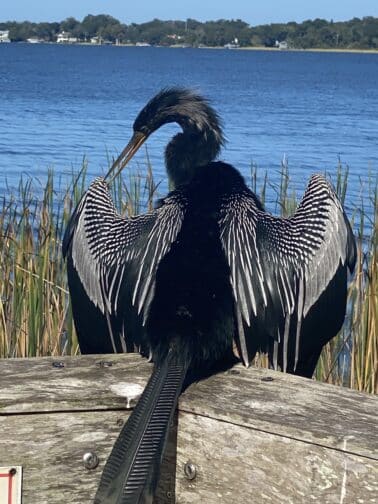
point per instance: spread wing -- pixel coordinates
(111, 265)
(289, 276)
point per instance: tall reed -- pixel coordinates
(35, 315)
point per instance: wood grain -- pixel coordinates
(253, 435)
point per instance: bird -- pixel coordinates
(205, 279)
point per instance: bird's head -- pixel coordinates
(198, 144)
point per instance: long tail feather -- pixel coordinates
(131, 473)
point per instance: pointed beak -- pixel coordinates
(137, 140)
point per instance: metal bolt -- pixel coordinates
(190, 471)
(12, 471)
(58, 364)
(90, 460)
(234, 372)
(104, 364)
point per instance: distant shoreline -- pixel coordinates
(275, 49)
(351, 36)
(246, 48)
(312, 49)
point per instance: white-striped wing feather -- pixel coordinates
(280, 267)
(108, 250)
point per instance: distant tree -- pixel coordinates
(47, 31)
(69, 24)
(355, 33)
(95, 25)
(21, 31)
(132, 33)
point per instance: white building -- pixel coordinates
(65, 38)
(282, 45)
(233, 45)
(62, 38)
(4, 36)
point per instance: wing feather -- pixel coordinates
(281, 268)
(111, 257)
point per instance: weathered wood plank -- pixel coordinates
(289, 406)
(254, 435)
(239, 465)
(285, 405)
(234, 464)
(82, 383)
(50, 447)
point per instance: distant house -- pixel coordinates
(65, 38)
(100, 41)
(174, 36)
(4, 36)
(232, 45)
(62, 38)
(281, 45)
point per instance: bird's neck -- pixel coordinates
(186, 153)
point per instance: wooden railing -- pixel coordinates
(243, 436)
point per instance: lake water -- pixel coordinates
(60, 103)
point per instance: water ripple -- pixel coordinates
(59, 104)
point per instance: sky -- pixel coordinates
(253, 12)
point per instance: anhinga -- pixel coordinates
(205, 276)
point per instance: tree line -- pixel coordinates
(318, 33)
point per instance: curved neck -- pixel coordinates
(187, 152)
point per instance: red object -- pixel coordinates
(8, 475)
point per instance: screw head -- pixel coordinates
(58, 364)
(90, 460)
(190, 471)
(234, 372)
(104, 364)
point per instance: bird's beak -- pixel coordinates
(137, 140)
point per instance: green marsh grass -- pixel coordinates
(35, 315)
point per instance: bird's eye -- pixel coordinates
(144, 130)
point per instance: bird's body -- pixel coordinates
(197, 321)
(205, 276)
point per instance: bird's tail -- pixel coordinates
(131, 472)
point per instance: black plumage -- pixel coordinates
(205, 276)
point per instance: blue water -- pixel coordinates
(61, 103)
